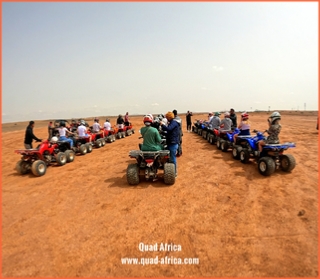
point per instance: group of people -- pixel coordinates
(230, 122)
(170, 124)
(81, 129)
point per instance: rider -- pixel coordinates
(62, 133)
(82, 130)
(215, 122)
(96, 128)
(273, 131)
(151, 136)
(226, 123)
(244, 127)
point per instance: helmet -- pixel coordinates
(226, 114)
(54, 139)
(244, 115)
(96, 119)
(217, 113)
(147, 119)
(150, 115)
(62, 123)
(160, 116)
(107, 120)
(275, 116)
(82, 122)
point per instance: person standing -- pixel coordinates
(188, 118)
(29, 136)
(233, 117)
(126, 119)
(50, 130)
(173, 137)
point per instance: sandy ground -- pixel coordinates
(81, 219)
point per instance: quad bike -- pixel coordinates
(128, 130)
(37, 160)
(109, 135)
(271, 156)
(150, 162)
(82, 145)
(97, 139)
(225, 139)
(213, 135)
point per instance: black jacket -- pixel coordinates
(30, 136)
(233, 117)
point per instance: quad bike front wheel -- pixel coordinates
(169, 173)
(23, 167)
(224, 146)
(236, 152)
(266, 166)
(287, 162)
(39, 168)
(70, 156)
(133, 174)
(61, 158)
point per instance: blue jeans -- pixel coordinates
(67, 139)
(173, 147)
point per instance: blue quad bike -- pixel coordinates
(271, 157)
(225, 139)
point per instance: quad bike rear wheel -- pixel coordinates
(39, 168)
(98, 143)
(61, 158)
(103, 142)
(219, 143)
(169, 174)
(244, 156)
(23, 167)
(83, 149)
(287, 162)
(266, 166)
(119, 135)
(89, 147)
(133, 174)
(70, 156)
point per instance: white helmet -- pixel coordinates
(54, 139)
(82, 122)
(226, 114)
(275, 116)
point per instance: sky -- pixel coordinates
(83, 59)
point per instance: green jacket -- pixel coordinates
(151, 139)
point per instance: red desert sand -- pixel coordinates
(83, 219)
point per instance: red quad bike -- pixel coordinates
(150, 162)
(82, 145)
(37, 160)
(129, 130)
(110, 136)
(121, 131)
(97, 139)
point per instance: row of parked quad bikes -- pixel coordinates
(55, 152)
(245, 148)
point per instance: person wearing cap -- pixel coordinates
(179, 120)
(29, 136)
(226, 123)
(173, 137)
(215, 121)
(233, 118)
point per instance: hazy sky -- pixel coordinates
(64, 60)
